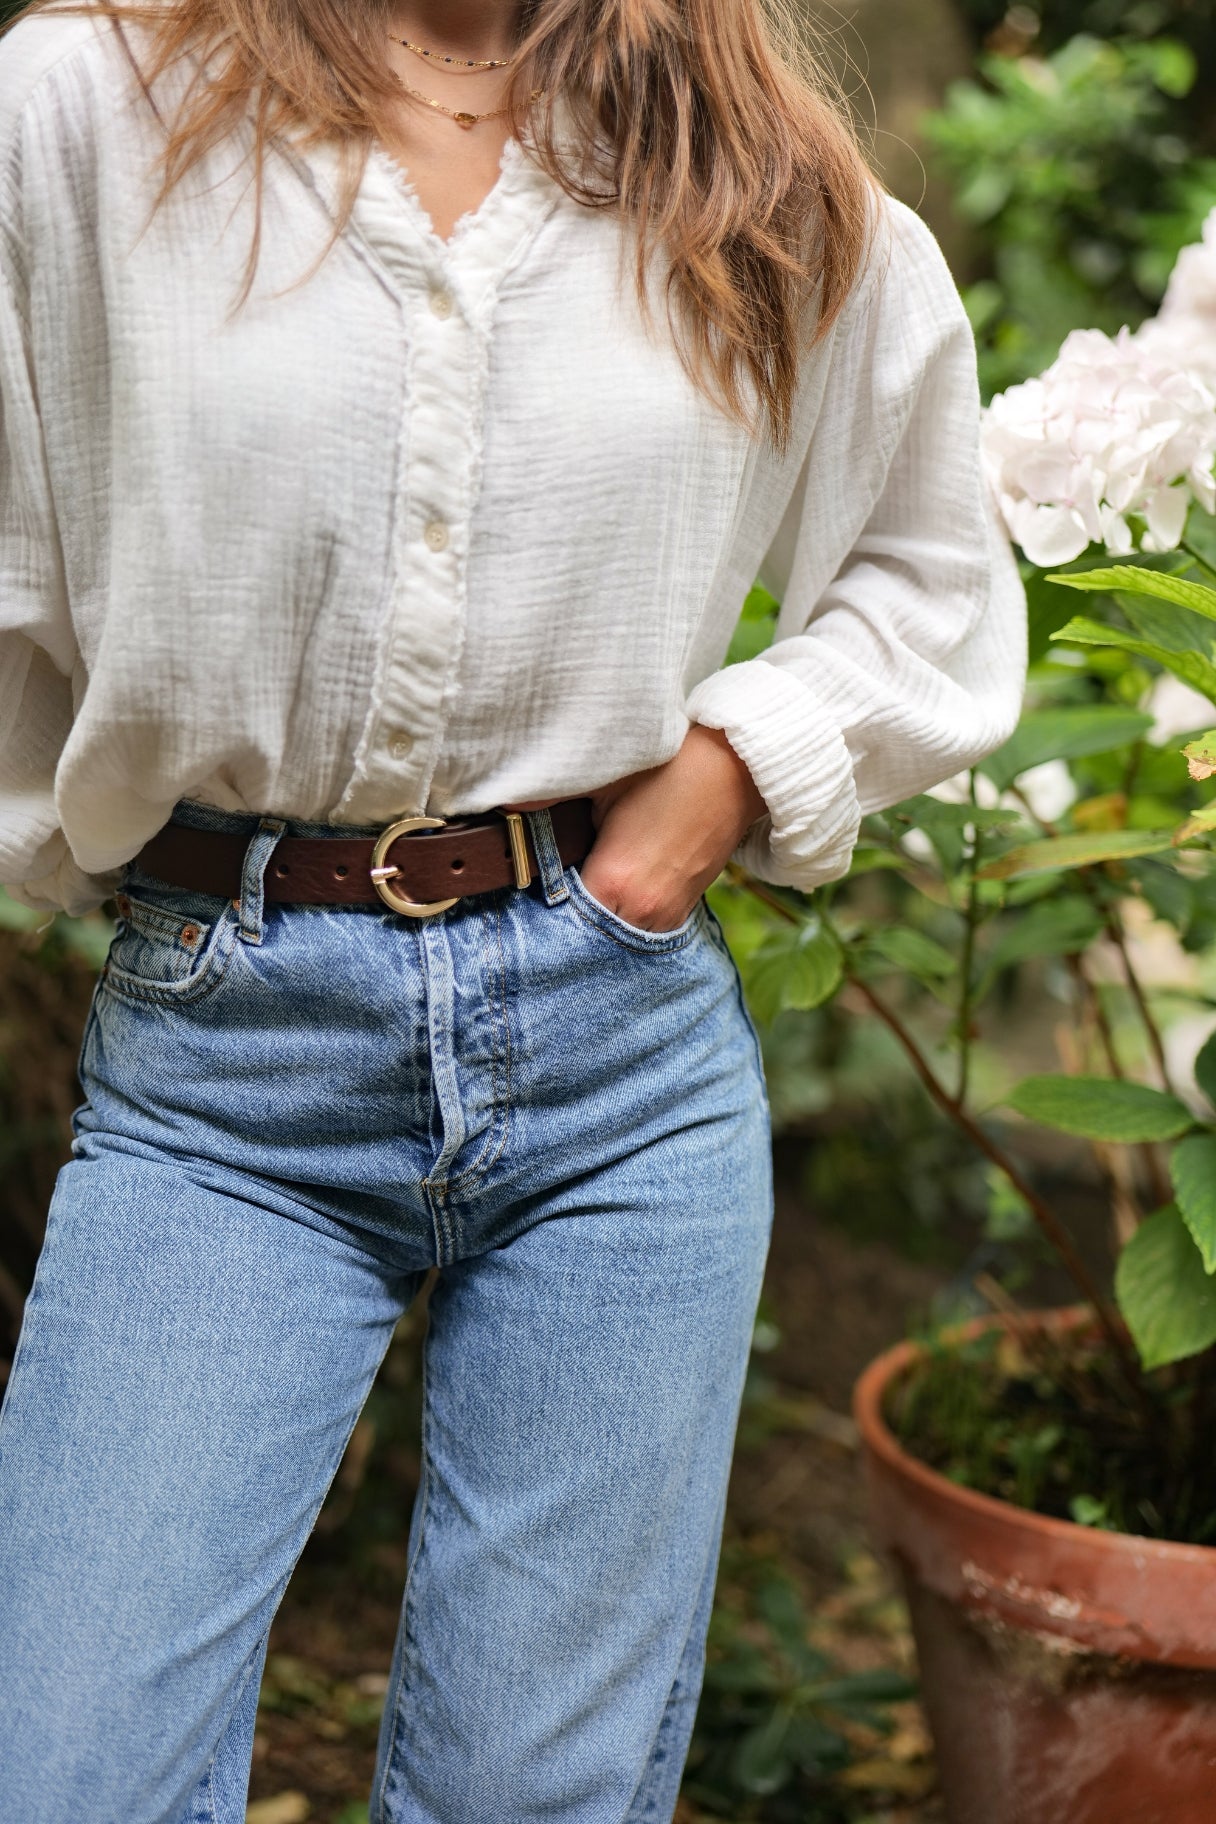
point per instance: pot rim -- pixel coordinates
(879, 1439)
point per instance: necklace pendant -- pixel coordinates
(465, 120)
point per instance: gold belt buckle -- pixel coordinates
(384, 873)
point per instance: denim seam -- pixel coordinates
(717, 938)
(250, 1662)
(424, 1497)
(155, 922)
(655, 1758)
(501, 1087)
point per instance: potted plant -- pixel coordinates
(1047, 1482)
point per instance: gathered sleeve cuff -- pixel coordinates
(900, 650)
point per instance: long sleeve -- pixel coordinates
(37, 648)
(899, 654)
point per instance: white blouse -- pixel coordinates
(434, 527)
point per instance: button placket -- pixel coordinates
(428, 617)
(447, 296)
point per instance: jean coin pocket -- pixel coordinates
(165, 954)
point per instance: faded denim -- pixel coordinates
(291, 1115)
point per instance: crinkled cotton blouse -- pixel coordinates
(437, 527)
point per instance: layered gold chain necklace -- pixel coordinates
(455, 66)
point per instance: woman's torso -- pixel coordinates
(442, 526)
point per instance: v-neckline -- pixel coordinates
(389, 221)
(465, 224)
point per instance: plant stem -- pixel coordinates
(1046, 1218)
(1148, 1152)
(971, 913)
(1089, 993)
(1200, 562)
(1114, 930)
(1050, 1225)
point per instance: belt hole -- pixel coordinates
(341, 871)
(281, 868)
(457, 866)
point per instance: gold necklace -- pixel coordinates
(459, 66)
(460, 115)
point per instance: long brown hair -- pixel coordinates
(733, 162)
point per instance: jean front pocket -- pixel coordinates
(164, 952)
(632, 937)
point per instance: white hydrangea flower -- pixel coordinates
(1192, 288)
(1184, 329)
(1114, 427)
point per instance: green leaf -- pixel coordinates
(1063, 734)
(1201, 755)
(799, 967)
(1101, 1108)
(868, 860)
(1087, 1510)
(945, 823)
(1205, 1068)
(1191, 667)
(1080, 851)
(1132, 580)
(1193, 1170)
(14, 917)
(912, 952)
(883, 1685)
(930, 814)
(754, 630)
(746, 1673)
(814, 1746)
(1173, 66)
(1047, 609)
(778, 1604)
(1168, 1300)
(761, 1762)
(1053, 927)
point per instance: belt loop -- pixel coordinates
(257, 855)
(552, 874)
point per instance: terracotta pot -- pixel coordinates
(1069, 1675)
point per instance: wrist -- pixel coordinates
(748, 801)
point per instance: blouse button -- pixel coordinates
(441, 303)
(436, 535)
(399, 744)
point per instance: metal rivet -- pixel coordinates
(190, 935)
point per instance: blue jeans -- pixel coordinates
(291, 1115)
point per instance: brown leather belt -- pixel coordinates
(417, 866)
